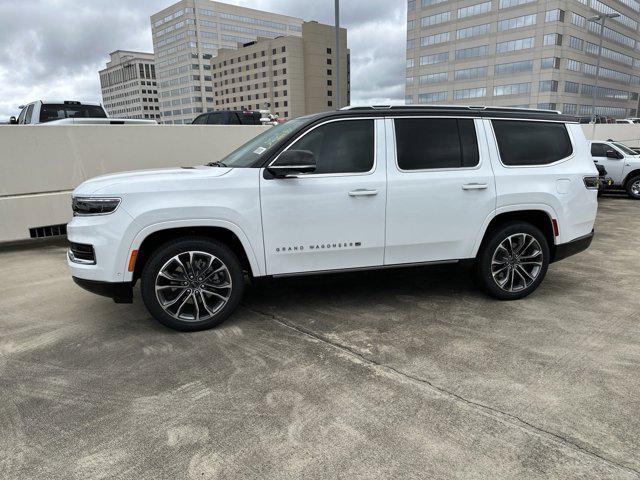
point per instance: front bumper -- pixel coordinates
(120, 292)
(577, 245)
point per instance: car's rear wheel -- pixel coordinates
(633, 187)
(192, 284)
(512, 261)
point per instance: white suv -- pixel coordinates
(510, 190)
(621, 163)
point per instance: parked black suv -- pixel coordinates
(228, 117)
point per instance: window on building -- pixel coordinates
(550, 62)
(575, 42)
(548, 86)
(531, 143)
(430, 143)
(340, 147)
(514, 45)
(514, 67)
(432, 97)
(555, 15)
(573, 65)
(552, 39)
(517, 22)
(512, 89)
(476, 9)
(571, 87)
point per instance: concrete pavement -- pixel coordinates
(391, 374)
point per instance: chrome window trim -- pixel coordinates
(423, 170)
(345, 174)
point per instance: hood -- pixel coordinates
(131, 181)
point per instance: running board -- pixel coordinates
(362, 269)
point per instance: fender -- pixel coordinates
(257, 265)
(511, 208)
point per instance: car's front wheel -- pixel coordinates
(512, 261)
(192, 283)
(633, 187)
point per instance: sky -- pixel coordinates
(53, 49)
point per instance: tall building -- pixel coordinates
(539, 54)
(188, 34)
(293, 76)
(128, 84)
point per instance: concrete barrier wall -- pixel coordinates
(40, 166)
(628, 134)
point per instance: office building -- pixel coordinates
(524, 53)
(292, 76)
(188, 34)
(129, 88)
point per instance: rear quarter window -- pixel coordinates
(523, 143)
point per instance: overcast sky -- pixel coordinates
(54, 48)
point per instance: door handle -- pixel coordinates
(474, 186)
(363, 192)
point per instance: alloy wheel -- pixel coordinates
(635, 188)
(517, 262)
(193, 286)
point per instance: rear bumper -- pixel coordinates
(121, 292)
(578, 245)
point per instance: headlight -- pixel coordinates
(94, 205)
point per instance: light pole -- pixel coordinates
(337, 22)
(601, 18)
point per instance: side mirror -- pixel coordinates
(13, 121)
(292, 163)
(613, 154)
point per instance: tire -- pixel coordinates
(198, 303)
(633, 187)
(526, 264)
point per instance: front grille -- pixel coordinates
(82, 253)
(48, 231)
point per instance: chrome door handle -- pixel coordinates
(474, 186)
(363, 192)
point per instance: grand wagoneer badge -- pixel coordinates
(319, 246)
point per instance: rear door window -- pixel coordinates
(431, 143)
(524, 143)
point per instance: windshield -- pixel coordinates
(247, 154)
(59, 111)
(625, 149)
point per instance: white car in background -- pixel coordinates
(69, 112)
(621, 163)
(628, 120)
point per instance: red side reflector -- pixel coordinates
(132, 260)
(556, 232)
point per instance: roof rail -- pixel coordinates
(451, 107)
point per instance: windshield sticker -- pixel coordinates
(259, 150)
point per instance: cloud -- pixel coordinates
(54, 48)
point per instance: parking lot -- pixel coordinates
(410, 373)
